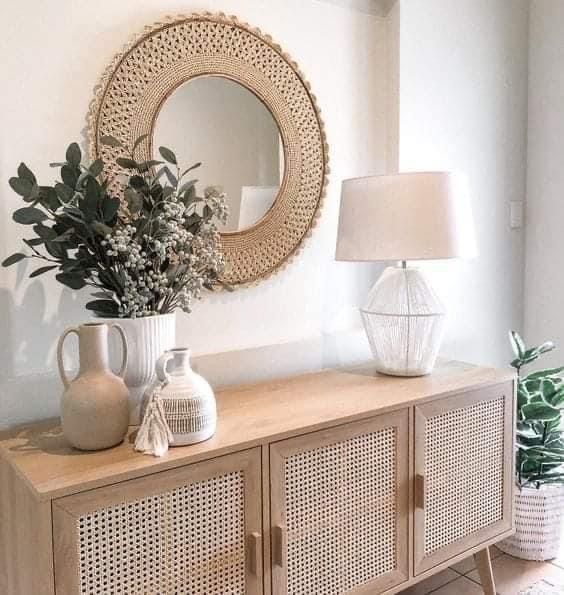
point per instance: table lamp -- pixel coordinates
(404, 217)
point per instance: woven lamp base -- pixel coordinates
(404, 322)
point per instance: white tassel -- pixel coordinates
(154, 435)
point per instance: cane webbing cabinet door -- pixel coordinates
(339, 508)
(463, 473)
(194, 530)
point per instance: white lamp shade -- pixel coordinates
(407, 216)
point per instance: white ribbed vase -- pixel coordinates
(539, 516)
(148, 337)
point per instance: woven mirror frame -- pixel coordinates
(153, 65)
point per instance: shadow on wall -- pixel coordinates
(27, 348)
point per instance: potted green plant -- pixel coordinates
(145, 242)
(539, 497)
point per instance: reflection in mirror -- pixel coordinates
(219, 122)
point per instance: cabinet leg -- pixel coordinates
(484, 566)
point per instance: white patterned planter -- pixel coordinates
(148, 338)
(538, 523)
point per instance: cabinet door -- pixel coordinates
(463, 473)
(193, 530)
(339, 508)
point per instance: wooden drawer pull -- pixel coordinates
(280, 544)
(255, 553)
(420, 491)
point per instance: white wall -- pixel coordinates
(51, 59)
(463, 106)
(544, 279)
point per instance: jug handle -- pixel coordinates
(62, 372)
(160, 366)
(125, 349)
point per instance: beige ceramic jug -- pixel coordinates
(94, 407)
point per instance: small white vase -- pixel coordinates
(539, 516)
(187, 398)
(148, 337)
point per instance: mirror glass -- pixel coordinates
(219, 122)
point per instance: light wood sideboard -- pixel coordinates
(342, 481)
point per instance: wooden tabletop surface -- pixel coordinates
(248, 415)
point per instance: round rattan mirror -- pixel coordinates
(163, 65)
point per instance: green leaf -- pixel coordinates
(72, 280)
(44, 232)
(26, 174)
(170, 176)
(196, 165)
(126, 163)
(540, 412)
(34, 242)
(42, 270)
(69, 176)
(146, 165)
(104, 307)
(73, 155)
(168, 155)
(111, 141)
(539, 374)
(101, 229)
(96, 168)
(139, 141)
(13, 259)
(21, 186)
(546, 347)
(517, 344)
(133, 199)
(29, 216)
(110, 207)
(49, 198)
(547, 388)
(187, 186)
(64, 192)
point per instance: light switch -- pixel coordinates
(516, 215)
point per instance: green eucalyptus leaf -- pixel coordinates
(55, 249)
(49, 198)
(187, 186)
(146, 165)
(21, 186)
(13, 259)
(42, 270)
(111, 141)
(168, 155)
(69, 175)
(101, 229)
(73, 155)
(34, 242)
(64, 192)
(133, 199)
(71, 280)
(96, 168)
(126, 163)
(196, 165)
(110, 207)
(26, 174)
(28, 216)
(104, 307)
(44, 232)
(139, 140)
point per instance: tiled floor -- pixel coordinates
(511, 575)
